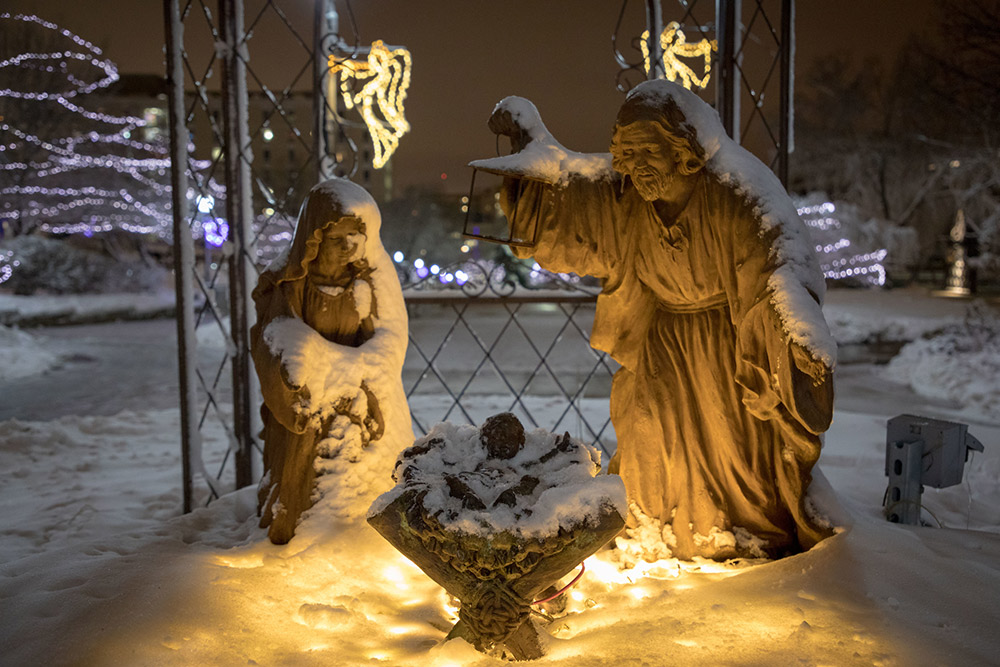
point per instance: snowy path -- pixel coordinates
(132, 365)
(104, 369)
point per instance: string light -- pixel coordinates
(674, 45)
(216, 232)
(55, 197)
(866, 267)
(385, 77)
(7, 265)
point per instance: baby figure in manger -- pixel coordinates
(328, 347)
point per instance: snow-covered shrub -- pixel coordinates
(960, 363)
(59, 267)
(854, 248)
(22, 355)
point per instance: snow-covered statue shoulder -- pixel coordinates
(328, 346)
(711, 304)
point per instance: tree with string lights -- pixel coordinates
(69, 166)
(76, 157)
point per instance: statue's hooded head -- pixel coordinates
(687, 127)
(336, 205)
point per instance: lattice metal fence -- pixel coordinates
(530, 355)
(245, 148)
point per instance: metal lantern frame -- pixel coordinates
(510, 240)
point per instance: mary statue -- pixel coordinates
(328, 347)
(710, 303)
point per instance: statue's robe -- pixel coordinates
(290, 445)
(717, 427)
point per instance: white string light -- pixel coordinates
(54, 197)
(867, 267)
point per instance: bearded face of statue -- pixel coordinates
(643, 152)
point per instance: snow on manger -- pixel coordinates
(384, 77)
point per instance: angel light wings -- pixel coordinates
(383, 78)
(675, 46)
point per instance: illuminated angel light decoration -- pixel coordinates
(675, 46)
(384, 77)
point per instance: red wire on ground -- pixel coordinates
(583, 568)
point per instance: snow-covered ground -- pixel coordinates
(99, 568)
(79, 308)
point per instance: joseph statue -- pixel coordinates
(710, 304)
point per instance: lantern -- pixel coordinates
(499, 228)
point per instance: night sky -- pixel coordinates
(468, 54)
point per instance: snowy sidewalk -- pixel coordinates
(56, 310)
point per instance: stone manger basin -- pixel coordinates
(496, 516)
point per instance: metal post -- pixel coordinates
(903, 466)
(239, 210)
(184, 262)
(325, 28)
(785, 128)
(654, 24)
(727, 13)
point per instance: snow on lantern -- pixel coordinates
(495, 516)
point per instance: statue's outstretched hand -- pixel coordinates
(515, 121)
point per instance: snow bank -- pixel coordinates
(63, 266)
(871, 316)
(22, 355)
(45, 309)
(960, 363)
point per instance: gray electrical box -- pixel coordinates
(922, 451)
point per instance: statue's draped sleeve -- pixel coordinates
(580, 226)
(280, 397)
(572, 224)
(760, 273)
